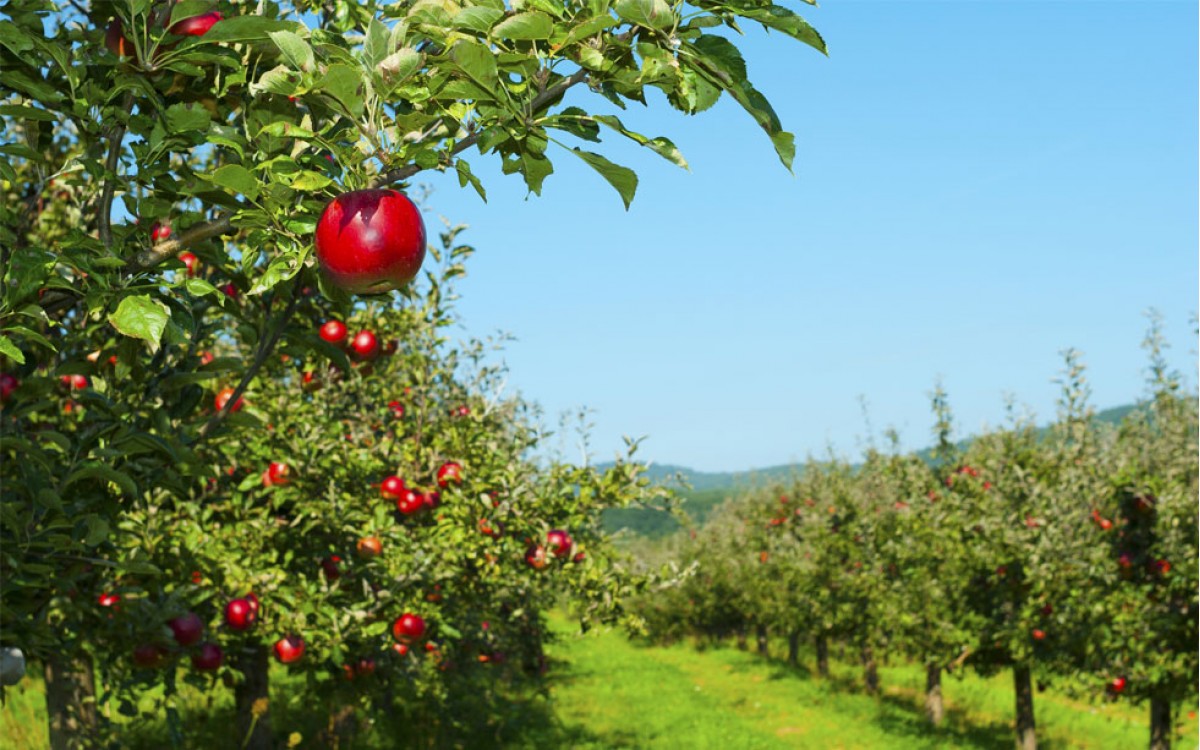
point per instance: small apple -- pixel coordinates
(392, 487)
(1117, 685)
(432, 500)
(1125, 560)
(366, 667)
(239, 615)
(109, 600)
(1039, 635)
(494, 529)
(278, 472)
(535, 557)
(329, 566)
(8, 384)
(408, 627)
(558, 542)
(187, 629)
(370, 241)
(579, 557)
(75, 382)
(206, 358)
(196, 25)
(230, 290)
(364, 346)
(191, 261)
(160, 231)
(1162, 567)
(149, 656)
(289, 649)
(449, 473)
(223, 397)
(397, 409)
(252, 600)
(400, 648)
(1047, 610)
(209, 657)
(114, 39)
(334, 332)
(409, 502)
(370, 546)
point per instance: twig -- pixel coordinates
(111, 164)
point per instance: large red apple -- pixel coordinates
(370, 241)
(196, 25)
(289, 649)
(187, 629)
(240, 615)
(408, 627)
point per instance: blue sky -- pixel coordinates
(978, 186)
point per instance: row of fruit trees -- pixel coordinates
(1067, 555)
(235, 424)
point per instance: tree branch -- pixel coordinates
(266, 345)
(111, 164)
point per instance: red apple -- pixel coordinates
(364, 346)
(75, 382)
(449, 473)
(115, 40)
(370, 241)
(579, 557)
(334, 331)
(408, 627)
(400, 648)
(366, 667)
(187, 629)
(1117, 685)
(252, 600)
(289, 649)
(494, 529)
(392, 487)
(196, 25)
(432, 499)
(149, 656)
(559, 542)
(329, 566)
(191, 261)
(397, 409)
(223, 398)
(8, 384)
(109, 600)
(230, 290)
(205, 358)
(535, 557)
(160, 231)
(209, 657)
(1039, 635)
(278, 472)
(409, 502)
(239, 615)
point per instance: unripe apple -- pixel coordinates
(408, 627)
(187, 629)
(449, 473)
(239, 615)
(289, 649)
(223, 397)
(334, 331)
(370, 241)
(209, 658)
(364, 346)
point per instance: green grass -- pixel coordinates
(608, 692)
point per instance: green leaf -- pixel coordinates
(141, 317)
(784, 20)
(199, 287)
(653, 14)
(590, 27)
(623, 179)
(660, 145)
(248, 28)
(97, 531)
(478, 62)
(310, 181)
(186, 119)
(398, 66)
(343, 83)
(294, 49)
(188, 9)
(375, 45)
(236, 179)
(27, 113)
(465, 176)
(477, 18)
(785, 147)
(279, 80)
(97, 470)
(10, 350)
(529, 25)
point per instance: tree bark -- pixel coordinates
(870, 670)
(935, 709)
(741, 637)
(822, 655)
(1026, 727)
(252, 700)
(793, 656)
(763, 647)
(70, 701)
(1160, 723)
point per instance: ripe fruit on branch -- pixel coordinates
(75, 382)
(252, 600)
(409, 502)
(149, 656)
(115, 40)
(223, 398)
(8, 384)
(278, 472)
(370, 546)
(334, 331)
(289, 649)
(558, 542)
(187, 629)
(494, 529)
(408, 627)
(209, 657)
(392, 487)
(449, 473)
(329, 566)
(1039, 635)
(196, 25)
(240, 615)
(535, 557)
(370, 241)
(397, 409)
(400, 648)
(1117, 685)
(160, 231)
(365, 346)
(109, 600)
(190, 260)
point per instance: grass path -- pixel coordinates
(610, 693)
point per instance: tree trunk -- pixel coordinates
(1026, 728)
(1160, 723)
(252, 700)
(794, 648)
(870, 670)
(70, 701)
(935, 709)
(741, 637)
(763, 648)
(822, 655)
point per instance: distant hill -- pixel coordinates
(703, 490)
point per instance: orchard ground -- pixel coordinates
(608, 692)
